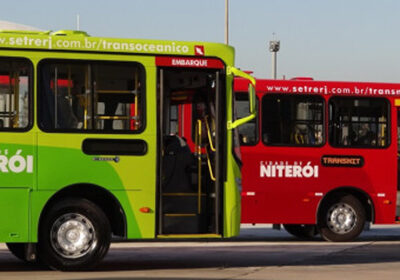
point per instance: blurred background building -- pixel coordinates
(7, 25)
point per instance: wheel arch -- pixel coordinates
(358, 193)
(103, 198)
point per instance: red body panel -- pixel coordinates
(197, 62)
(295, 200)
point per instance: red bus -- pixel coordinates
(320, 157)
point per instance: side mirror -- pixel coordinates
(252, 97)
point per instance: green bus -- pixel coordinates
(89, 152)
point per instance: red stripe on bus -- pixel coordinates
(189, 62)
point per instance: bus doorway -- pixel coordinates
(190, 185)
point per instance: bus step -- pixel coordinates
(183, 223)
(190, 235)
(181, 204)
(180, 215)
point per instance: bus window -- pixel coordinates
(174, 120)
(91, 96)
(14, 94)
(203, 104)
(248, 132)
(358, 122)
(292, 120)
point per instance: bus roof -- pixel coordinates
(72, 40)
(321, 87)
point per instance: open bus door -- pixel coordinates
(190, 180)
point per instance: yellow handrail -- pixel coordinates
(198, 152)
(299, 138)
(136, 122)
(210, 167)
(209, 135)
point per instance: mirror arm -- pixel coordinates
(239, 122)
(252, 84)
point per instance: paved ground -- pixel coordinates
(258, 253)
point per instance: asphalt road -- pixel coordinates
(258, 253)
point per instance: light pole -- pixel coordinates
(227, 22)
(274, 46)
(78, 27)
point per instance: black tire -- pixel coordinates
(18, 250)
(341, 218)
(301, 231)
(74, 234)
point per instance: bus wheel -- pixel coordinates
(341, 219)
(74, 234)
(301, 231)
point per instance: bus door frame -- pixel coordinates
(163, 63)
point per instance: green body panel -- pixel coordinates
(57, 158)
(16, 147)
(14, 214)
(16, 184)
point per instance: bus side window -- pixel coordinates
(15, 93)
(248, 132)
(100, 96)
(292, 120)
(358, 122)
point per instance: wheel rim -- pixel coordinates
(73, 236)
(341, 218)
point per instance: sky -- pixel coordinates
(349, 40)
